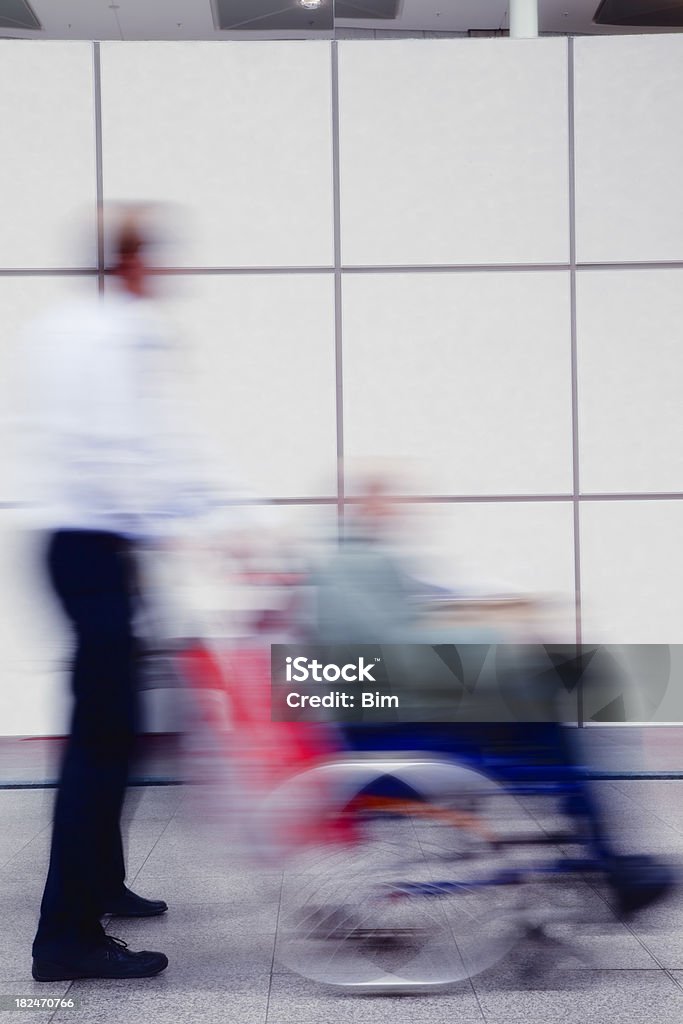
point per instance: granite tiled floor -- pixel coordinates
(221, 930)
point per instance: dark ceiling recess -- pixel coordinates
(275, 15)
(358, 9)
(272, 15)
(646, 13)
(17, 14)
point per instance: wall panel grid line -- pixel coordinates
(396, 268)
(99, 185)
(576, 519)
(338, 350)
(443, 499)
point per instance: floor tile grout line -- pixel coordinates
(644, 944)
(629, 928)
(670, 974)
(476, 996)
(275, 937)
(643, 807)
(54, 1014)
(154, 846)
(39, 833)
(589, 885)
(432, 875)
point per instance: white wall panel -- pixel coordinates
(454, 151)
(629, 148)
(501, 548)
(630, 380)
(47, 167)
(631, 570)
(237, 134)
(261, 350)
(464, 377)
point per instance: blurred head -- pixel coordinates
(376, 508)
(131, 242)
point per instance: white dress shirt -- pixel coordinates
(111, 441)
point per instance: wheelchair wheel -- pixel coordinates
(413, 895)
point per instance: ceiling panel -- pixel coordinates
(72, 19)
(165, 19)
(17, 14)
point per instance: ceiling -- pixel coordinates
(196, 19)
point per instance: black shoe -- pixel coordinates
(638, 881)
(129, 904)
(110, 959)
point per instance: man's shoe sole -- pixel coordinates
(53, 972)
(133, 913)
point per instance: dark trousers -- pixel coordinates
(91, 573)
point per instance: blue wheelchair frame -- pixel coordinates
(527, 759)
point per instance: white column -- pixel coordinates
(523, 19)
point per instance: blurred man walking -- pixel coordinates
(112, 468)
